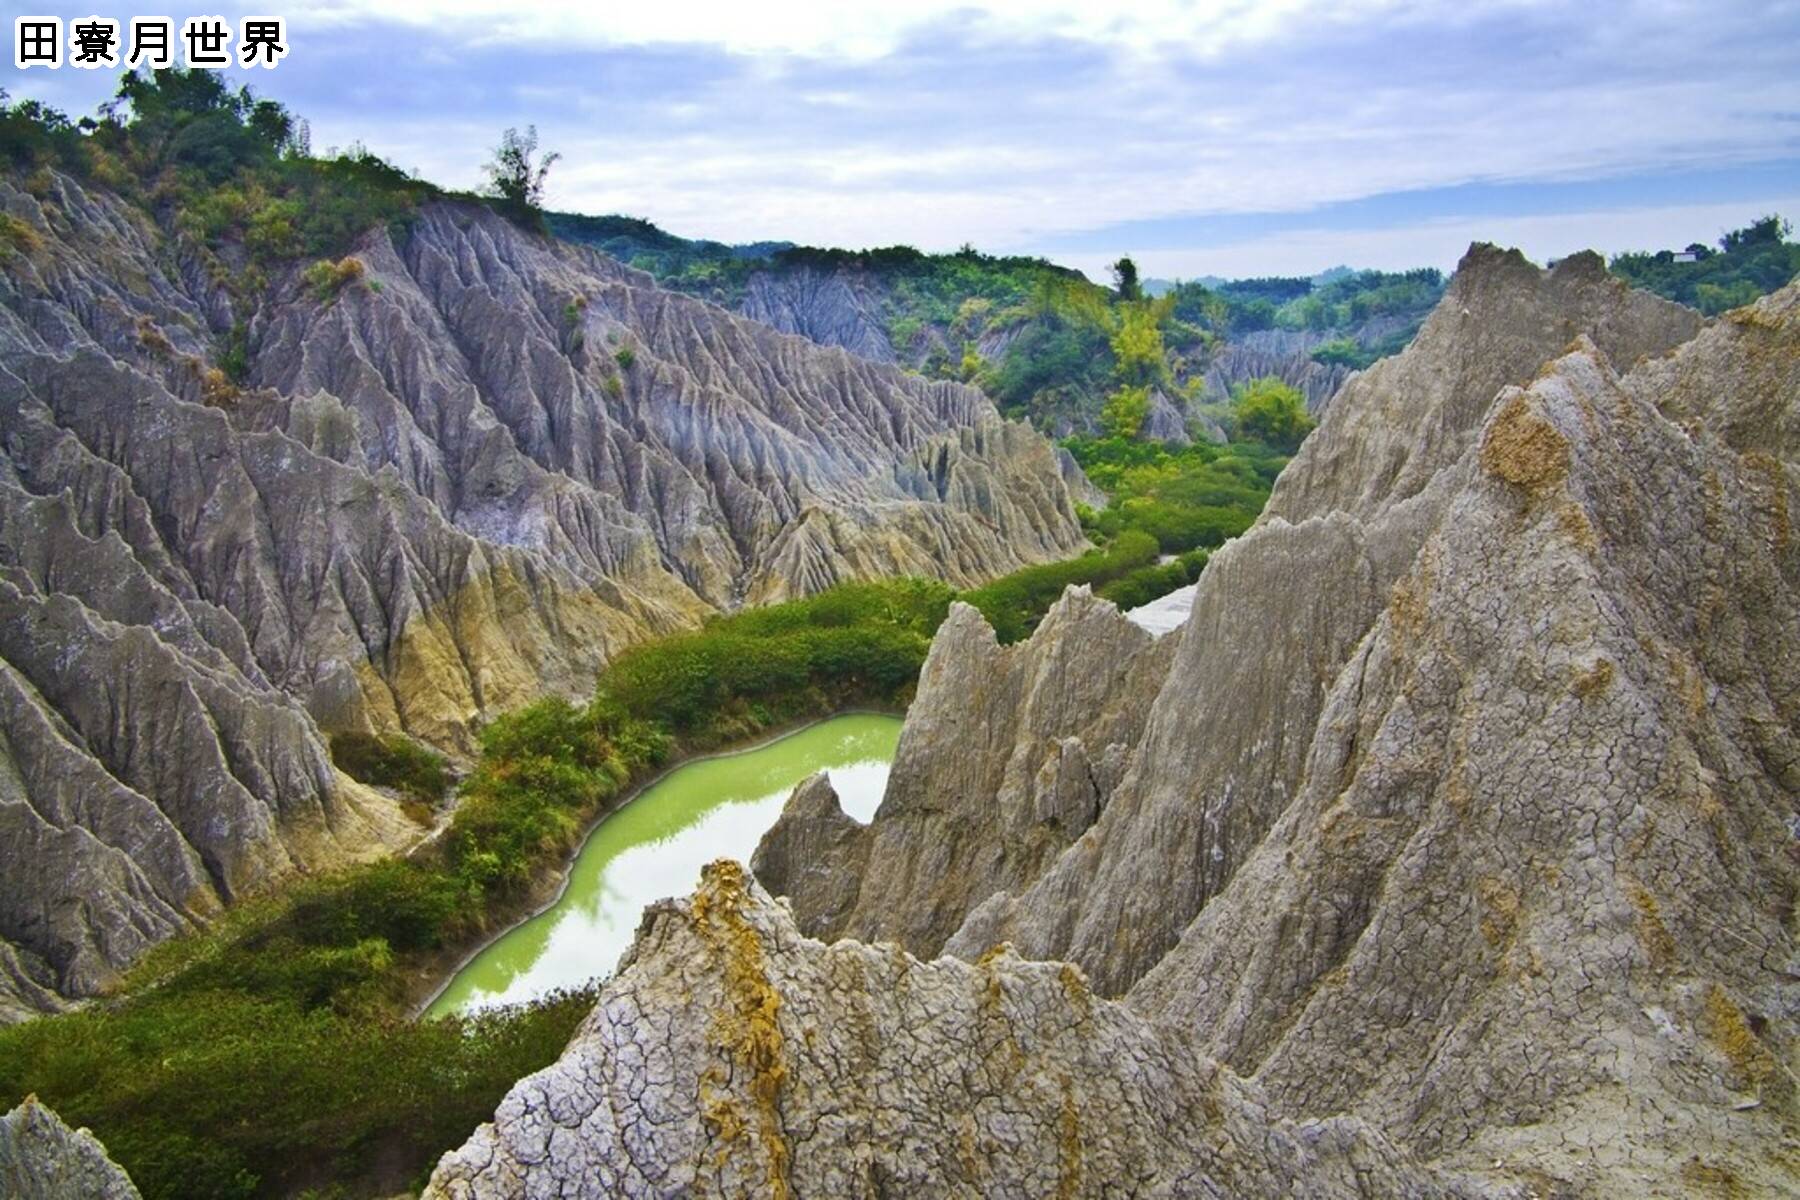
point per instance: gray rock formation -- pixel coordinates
(833, 308)
(467, 477)
(1284, 354)
(1225, 747)
(43, 1159)
(732, 1057)
(1408, 417)
(1527, 902)
(1165, 422)
(1009, 755)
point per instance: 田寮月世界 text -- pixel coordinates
(103, 43)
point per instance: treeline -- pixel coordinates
(1045, 342)
(1337, 300)
(223, 166)
(1748, 263)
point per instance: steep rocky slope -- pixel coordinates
(1534, 897)
(732, 1057)
(1461, 823)
(43, 1159)
(462, 470)
(1224, 746)
(834, 308)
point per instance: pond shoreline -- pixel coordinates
(437, 974)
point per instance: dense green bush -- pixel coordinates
(326, 279)
(1269, 411)
(392, 761)
(249, 1090)
(862, 641)
(1015, 603)
(1187, 498)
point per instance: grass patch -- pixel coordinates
(17, 236)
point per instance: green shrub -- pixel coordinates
(17, 236)
(327, 279)
(1186, 498)
(856, 642)
(1343, 352)
(234, 353)
(392, 761)
(1015, 603)
(625, 357)
(1124, 412)
(1269, 411)
(227, 1092)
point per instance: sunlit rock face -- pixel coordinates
(43, 1159)
(467, 477)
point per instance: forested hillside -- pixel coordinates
(1044, 341)
(1749, 262)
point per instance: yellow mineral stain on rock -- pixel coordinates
(748, 1027)
(1523, 448)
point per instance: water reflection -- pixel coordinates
(655, 846)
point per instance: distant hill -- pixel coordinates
(1038, 337)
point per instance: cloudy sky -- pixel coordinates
(1224, 137)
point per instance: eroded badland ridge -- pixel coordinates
(462, 472)
(1447, 850)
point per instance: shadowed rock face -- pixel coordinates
(833, 308)
(43, 1159)
(471, 477)
(1285, 354)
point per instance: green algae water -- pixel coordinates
(655, 846)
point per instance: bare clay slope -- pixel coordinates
(1535, 897)
(468, 477)
(732, 1057)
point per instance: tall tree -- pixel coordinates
(1125, 279)
(513, 179)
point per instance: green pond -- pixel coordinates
(655, 846)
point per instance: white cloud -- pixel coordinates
(862, 30)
